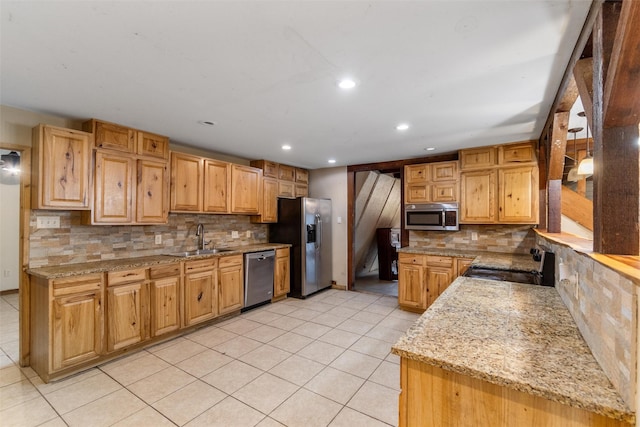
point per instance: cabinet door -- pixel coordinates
(200, 297)
(61, 168)
(302, 176)
(126, 314)
(513, 154)
(230, 288)
(417, 193)
(153, 145)
(461, 265)
(114, 188)
(269, 207)
(281, 275)
(411, 286)
(444, 171)
(286, 189)
(477, 198)
(76, 329)
(444, 192)
(153, 193)
(302, 190)
(286, 173)
(478, 158)
(246, 189)
(438, 279)
(416, 173)
(217, 182)
(518, 195)
(115, 137)
(165, 306)
(186, 183)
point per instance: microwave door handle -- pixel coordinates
(443, 220)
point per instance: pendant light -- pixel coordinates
(586, 165)
(573, 172)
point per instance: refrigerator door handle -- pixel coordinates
(318, 222)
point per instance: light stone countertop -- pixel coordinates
(514, 335)
(70, 270)
(497, 260)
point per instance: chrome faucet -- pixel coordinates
(200, 236)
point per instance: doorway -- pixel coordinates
(377, 224)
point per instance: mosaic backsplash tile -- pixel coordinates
(73, 242)
(491, 238)
(604, 306)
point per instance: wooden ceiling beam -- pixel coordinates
(583, 73)
(621, 90)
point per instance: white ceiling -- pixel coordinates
(461, 73)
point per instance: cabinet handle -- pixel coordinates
(199, 296)
(154, 145)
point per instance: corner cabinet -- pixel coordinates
(499, 185)
(61, 168)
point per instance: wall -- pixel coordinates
(604, 306)
(491, 238)
(331, 183)
(9, 235)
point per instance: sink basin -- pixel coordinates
(200, 252)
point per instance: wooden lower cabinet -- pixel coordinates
(200, 291)
(165, 288)
(432, 396)
(281, 274)
(126, 307)
(67, 323)
(230, 284)
(438, 280)
(422, 279)
(461, 265)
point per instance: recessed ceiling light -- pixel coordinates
(207, 122)
(331, 160)
(430, 149)
(402, 126)
(346, 84)
(286, 147)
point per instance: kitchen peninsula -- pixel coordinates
(492, 353)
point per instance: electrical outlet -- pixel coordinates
(48, 222)
(158, 239)
(234, 235)
(6, 273)
(474, 236)
(248, 234)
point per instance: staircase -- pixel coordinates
(577, 208)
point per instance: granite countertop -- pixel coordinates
(497, 260)
(513, 335)
(69, 270)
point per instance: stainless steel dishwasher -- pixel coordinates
(258, 277)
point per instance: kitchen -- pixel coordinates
(331, 183)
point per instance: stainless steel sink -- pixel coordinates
(197, 252)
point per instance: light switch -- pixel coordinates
(48, 222)
(339, 220)
(158, 239)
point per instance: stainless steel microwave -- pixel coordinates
(431, 216)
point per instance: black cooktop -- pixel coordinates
(527, 277)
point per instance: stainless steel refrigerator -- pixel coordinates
(305, 223)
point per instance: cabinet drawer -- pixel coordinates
(282, 252)
(165, 271)
(228, 261)
(444, 261)
(411, 259)
(202, 264)
(126, 276)
(73, 285)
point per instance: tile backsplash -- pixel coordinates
(491, 238)
(604, 305)
(74, 243)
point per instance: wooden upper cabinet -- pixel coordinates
(302, 176)
(444, 171)
(112, 136)
(217, 183)
(511, 154)
(269, 205)
(286, 173)
(478, 199)
(150, 144)
(246, 189)
(518, 195)
(286, 189)
(152, 199)
(443, 192)
(417, 173)
(477, 158)
(186, 182)
(269, 168)
(61, 168)
(114, 188)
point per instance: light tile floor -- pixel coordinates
(323, 361)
